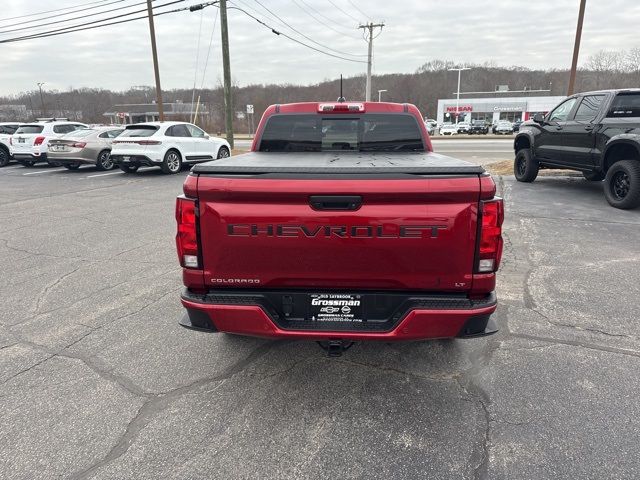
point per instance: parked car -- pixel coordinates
(303, 239)
(504, 128)
(6, 130)
(431, 125)
(596, 133)
(166, 145)
(84, 147)
(30, 142)
(463, 127)
(516, 125)
(449, 129)
(478, 127)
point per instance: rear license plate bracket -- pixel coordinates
(335, 307)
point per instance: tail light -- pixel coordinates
(489, 251)
(38, 141)
(187, 237)
(79, 145)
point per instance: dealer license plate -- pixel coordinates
(335, 307)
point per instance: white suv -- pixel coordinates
(166, 145)
(29, 145)
(6, 130)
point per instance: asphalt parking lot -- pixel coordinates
(99, 381)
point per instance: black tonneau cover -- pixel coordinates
(349, 163)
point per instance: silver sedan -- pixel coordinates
(88, 146)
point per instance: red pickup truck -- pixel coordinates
(341, 224)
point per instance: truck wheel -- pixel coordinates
(593, 176)
(104, 161)
(525, 168)
(223, 152)
(622, 184)
(129, 168)
(172, 162)
(72, 166)
(4, 157)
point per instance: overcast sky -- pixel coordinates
(536, 34)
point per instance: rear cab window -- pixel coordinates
(588, 109)
(320, 133)
(139, 131)
(29, 129)
(625, 105)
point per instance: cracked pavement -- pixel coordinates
(97, 380)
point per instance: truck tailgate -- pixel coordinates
(407, 233)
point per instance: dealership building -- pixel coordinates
(493, 109)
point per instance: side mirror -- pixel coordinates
(538, 118)
(206, 136)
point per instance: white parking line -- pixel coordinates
(12, 167)
(116, 172)
(45, 171)
(104, 174)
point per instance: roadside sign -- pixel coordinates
(249, 108)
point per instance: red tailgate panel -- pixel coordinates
(263, 233)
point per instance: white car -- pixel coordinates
(6, 130)
(166, 145)
(449, 129)
(504, 128)
(30, 144)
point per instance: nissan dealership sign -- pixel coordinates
(461, 108)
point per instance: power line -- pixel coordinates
(74, 28)
(57, 10)
(295, 39)
(329, 26)
(356, 7)
(206, 60)
(93, 27)
(343, 11)
(326, 47)
(77, 18)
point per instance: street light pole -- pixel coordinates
(380, 95)
(42, 111)
(458, 91)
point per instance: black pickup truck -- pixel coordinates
(596, 133)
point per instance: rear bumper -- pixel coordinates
(134, 161)
(31, 157)
(419, 318)
(68, 158)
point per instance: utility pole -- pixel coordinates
(576, 48)
(458, 91)
(228, 106)
(154, 51)
(43, 111)
(370, 26)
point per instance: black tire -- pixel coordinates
(72, 166)
(28, 163)
(525, 168)
(593, 176)
(622, 184)
(129, 168)
(4, 157)
(54, 164)
(223, 153)
(104, 162)
(172, 162)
